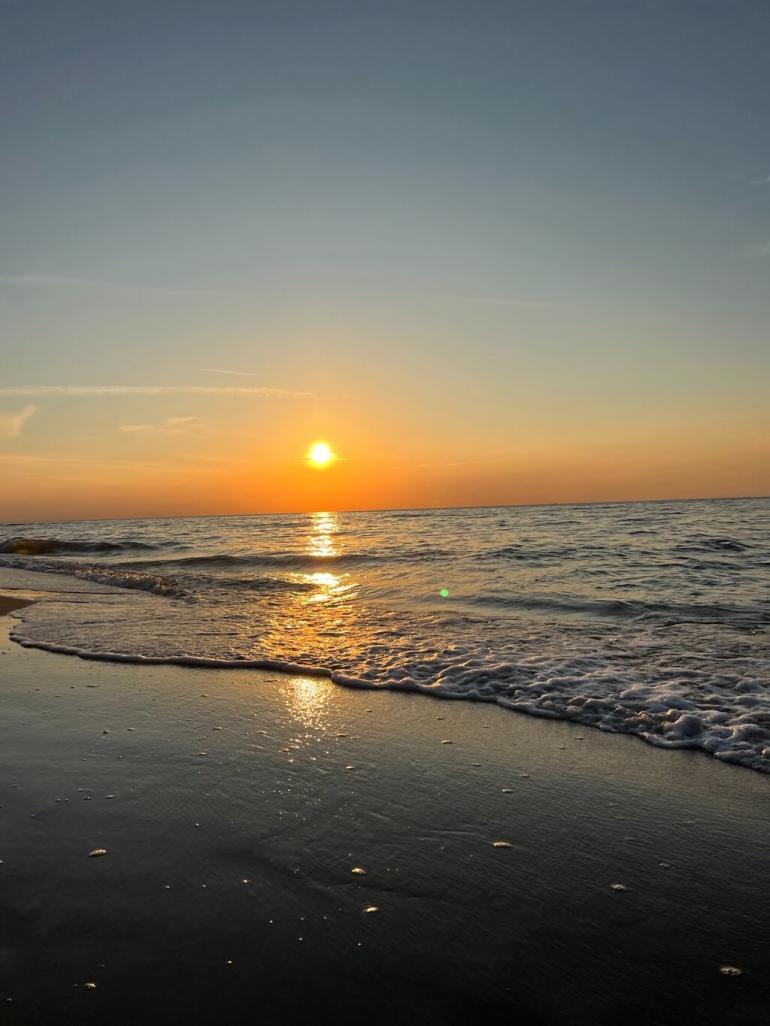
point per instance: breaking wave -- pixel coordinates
(24, 546)
(135, 580)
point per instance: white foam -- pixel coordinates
(706, 691)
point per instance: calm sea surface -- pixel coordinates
(646, 618)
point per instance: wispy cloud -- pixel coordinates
(64, 281)
(761, 181)
(238, 374)
(56, 467)
(12, 423)
(167, 426)
(256, 392)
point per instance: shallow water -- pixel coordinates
(646, 618)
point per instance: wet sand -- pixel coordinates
(234, 807)
(9, 603)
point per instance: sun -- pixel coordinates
(320, 455)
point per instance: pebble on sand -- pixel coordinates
(358, 870)
(96, 853)
(445, 742)
(372, 908)
(502, 844)
(90, 985)
(730, 970)
(618, 887)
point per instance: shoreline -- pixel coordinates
(234, 807)
(29, 591)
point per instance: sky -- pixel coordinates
(491, 252)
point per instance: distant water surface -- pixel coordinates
(647, 618)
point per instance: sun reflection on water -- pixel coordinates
(323, 527)
(307, 699)
(321, 545)
(329, 585)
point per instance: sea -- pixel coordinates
(645, 618)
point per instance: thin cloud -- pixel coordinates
(761, 181)
(12, 423)
(64, 281)
(218, 370)
(94, 390)
(512, 302)
(167, 426)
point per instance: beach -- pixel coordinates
(278, 847)
(385, 514)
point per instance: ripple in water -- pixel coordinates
(644, 618)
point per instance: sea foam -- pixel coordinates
(646, 619)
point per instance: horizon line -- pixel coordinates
(391, 509)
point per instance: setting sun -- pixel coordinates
(320, 455)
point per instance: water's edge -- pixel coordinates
(16, 635)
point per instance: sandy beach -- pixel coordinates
(278, 847)
(385, 513)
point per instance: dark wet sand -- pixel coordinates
(232, 824)
(9, 603)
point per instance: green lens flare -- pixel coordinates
(444, 593)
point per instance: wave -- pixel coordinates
(264, 584)
(21, 546)
(133, 580)
(702, 543)
(517, 551)
(560, 614)
(562, 604)
(115, 577)
(625, 608)
(296, 560)
(722, 713)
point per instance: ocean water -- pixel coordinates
(644, 618)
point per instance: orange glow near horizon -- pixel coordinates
(224, 465)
